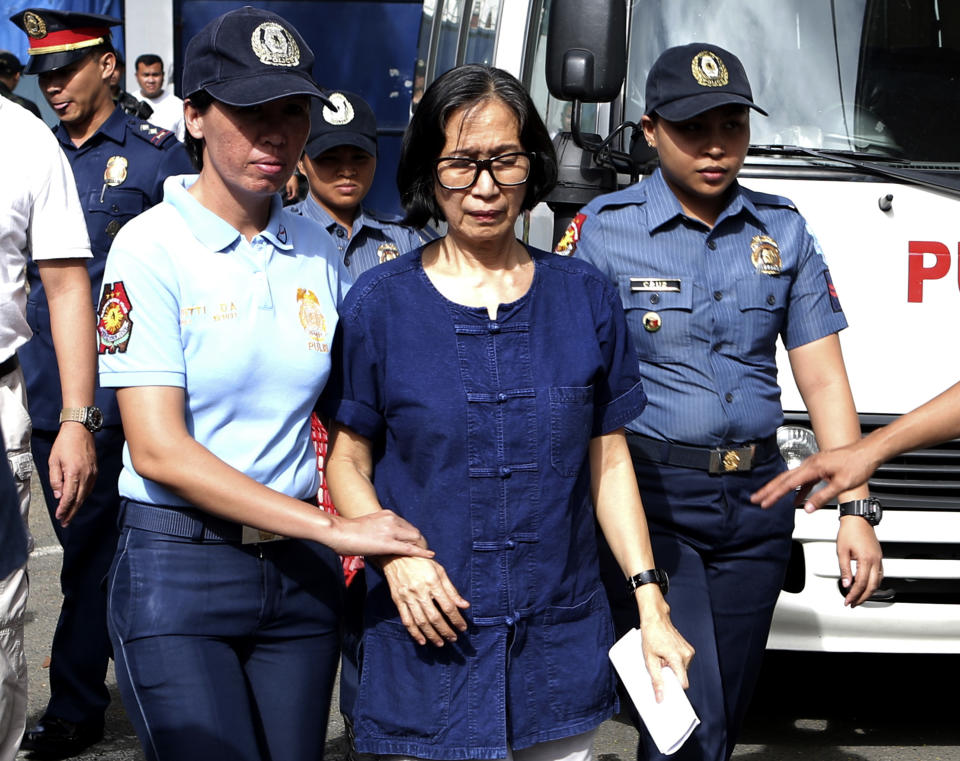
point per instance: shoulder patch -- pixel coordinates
(156, 136)
(114, 324)
(567, 244)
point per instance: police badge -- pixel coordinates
(274, 45)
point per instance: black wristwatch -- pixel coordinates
(869, 509)
(90, 417)
(654, 576)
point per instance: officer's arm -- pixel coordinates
(822, 381)
(621, 517)
(73, 461)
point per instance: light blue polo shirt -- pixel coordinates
(245, 328)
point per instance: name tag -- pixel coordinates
(640, 284)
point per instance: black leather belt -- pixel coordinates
(8, 365)
(730, 459)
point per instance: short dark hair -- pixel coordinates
(200, 100)
(148, 59)
(425, 136)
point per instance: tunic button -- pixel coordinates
(729, 397)
(717, 295)
(340, 232)
(505, 471)
(712, 245)
(493, 327)
(508, 620)
(114, 208)
(501, 397)
(771, 299)
(654, 298)
(510, 544)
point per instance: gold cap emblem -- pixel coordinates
(36, 27)
(765, 255)
(342, 114)
(709, 70)
(116, 171)
(274, 45)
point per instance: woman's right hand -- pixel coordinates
(428, 603)
(380, 533)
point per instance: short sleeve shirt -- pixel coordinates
(480, 430)
(40, 215)
(375, 238)
(244, 328)
(705, 306)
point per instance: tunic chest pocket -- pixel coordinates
(660, 322)
(571, 421)
(763, 304)
(118, 205)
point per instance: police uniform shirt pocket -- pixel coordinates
(576, 639)
(763, 301)
(660, 316)
(571, 421)
(117, 205)
(404, 687)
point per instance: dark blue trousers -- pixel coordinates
(81, 647)
(726, 559)
(222, 650)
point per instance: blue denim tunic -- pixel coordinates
(480, 432)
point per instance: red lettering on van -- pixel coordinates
(917, 272)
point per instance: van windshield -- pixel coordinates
(871, 76)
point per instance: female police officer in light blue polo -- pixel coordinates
(215, 324)
(710, 273)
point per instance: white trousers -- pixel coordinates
(576, 748)
(13, 589)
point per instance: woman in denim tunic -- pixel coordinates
(479, 389)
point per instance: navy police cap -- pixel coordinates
(59, 38)
(689, 79)
(249, 56)
(346, 119)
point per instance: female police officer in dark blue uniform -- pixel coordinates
(710, 273)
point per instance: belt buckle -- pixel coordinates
(731, 460)
(253, 535)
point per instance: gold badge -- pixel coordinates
(274, 45)
(387, 251)
(36, 27)
(116, 171)
(342, 114)
(652, 322)
(113, 227)
(709, 70)
(731, 461)
(765, 255)
(311, 316)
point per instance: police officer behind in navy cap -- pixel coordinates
(10, 70)
(339, 162)
(119, 163)
(711, 273)
(216, 328)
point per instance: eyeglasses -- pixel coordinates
(459, 173)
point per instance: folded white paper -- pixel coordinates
(671, 722)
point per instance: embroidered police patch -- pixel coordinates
(568, 242)
(114, 324)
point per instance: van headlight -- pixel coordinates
(796, 444)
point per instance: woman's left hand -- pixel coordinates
(663, 645)
(856, 540)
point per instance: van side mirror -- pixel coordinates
(586, 49)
